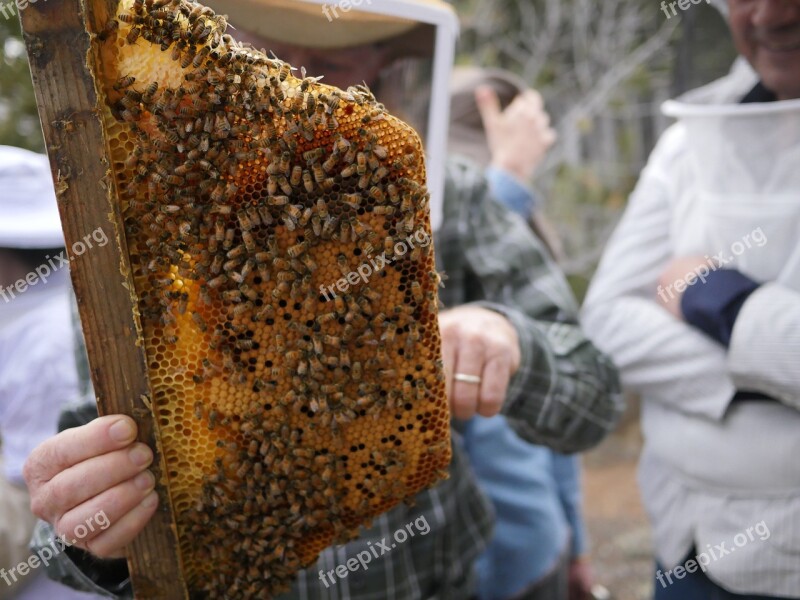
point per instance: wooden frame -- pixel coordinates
(59, 36)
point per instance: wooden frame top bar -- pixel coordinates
(59, 37)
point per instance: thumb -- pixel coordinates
(488, 105)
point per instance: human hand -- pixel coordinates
(679, 274)
(519, 136)
(92, 470)
(482, 343)
(580, 579)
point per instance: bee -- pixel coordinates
(283, 165)
(319, 174)
(186, 59)
(284, 184)
(326, 318)
(329, 226)
(240, 309)
(362, 163)
(359, 229)
(329, 164)
(363, 181)
(233, 296)
(249, 241)
(266, 312)
(376, 193)
(380, 173)
(245, 344)
(110, 28)
(236, 252)
(133, 35)
(277, 200)
(281, 289)
(408, 203)
(264, 214)
(340, 307)
(407, 224)
(150, 92)
(124, 82)
(200, 322)
(384, 210)
(416, 291)
(297, 173)
(217, 281)
(394, 196)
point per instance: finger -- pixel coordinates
(74, 446)
(534, 97)
(549, 136)
(112, 542)
(96, 516)
(493, 389)
(86, 480)
(469, 362)
(488, 105)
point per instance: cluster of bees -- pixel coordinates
(287, 418)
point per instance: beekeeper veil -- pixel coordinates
(402, 49)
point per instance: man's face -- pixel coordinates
(767, 34)
(341, 67)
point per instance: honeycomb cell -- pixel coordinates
(297, 380)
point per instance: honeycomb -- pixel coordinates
(291, 408)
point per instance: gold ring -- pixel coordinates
(467, 378)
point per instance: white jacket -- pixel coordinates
(724, 181)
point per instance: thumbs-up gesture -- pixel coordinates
(519, 136)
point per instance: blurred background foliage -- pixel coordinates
(19, 122)
(603, 68)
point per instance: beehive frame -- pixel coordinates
(68, 109)
(225, 363)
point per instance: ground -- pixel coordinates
(620, 534)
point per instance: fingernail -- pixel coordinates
(145, 481)
(122, 431)
(141, 456)
(150, 501)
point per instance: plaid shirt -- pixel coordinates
(565, 395)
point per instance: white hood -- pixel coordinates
(751, 148)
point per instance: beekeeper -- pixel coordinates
(698, 301)
(37, 367)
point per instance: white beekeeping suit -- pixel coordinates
(723, 182)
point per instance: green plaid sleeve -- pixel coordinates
(566, 393)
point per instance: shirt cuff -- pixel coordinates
(511, 192)
(712, 306)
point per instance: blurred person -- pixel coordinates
(511, 344)
(539, 548)
(698, 301)
(37, 368)
(501, 125)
